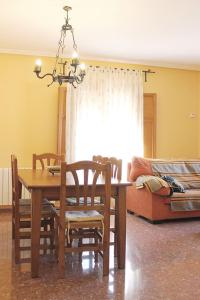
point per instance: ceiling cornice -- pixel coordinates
(107, 60)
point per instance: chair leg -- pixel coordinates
(96, 253)
(80, 244)
(56, 240)
(106, 259)
(17, 239)
(115, 237)
(52, 233)
(61, 252)
(106, 248)
(45, 226)
(13, 222)
(13, 230)
(115, 244)
(17, 248)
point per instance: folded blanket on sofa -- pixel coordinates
(176, 186)
(154, 184)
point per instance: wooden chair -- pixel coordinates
(116, 172)
(44, 160)
(116, 165)
(47, 159)
(85, 220)
(21, 216)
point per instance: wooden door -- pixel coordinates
(150, 125)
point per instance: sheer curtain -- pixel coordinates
(105, 115)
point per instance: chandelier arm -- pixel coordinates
(45, 75)
(74, 85)
(51, 82)
(71, 74)
(78, 80)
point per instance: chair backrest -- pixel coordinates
(85, 174)
(47, 159)
(116, 165)
(15, 185)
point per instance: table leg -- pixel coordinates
(36, 196)
(121, 227)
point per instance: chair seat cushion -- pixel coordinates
(46, 210)
(73, 201)
(97, 201)
(24, 201)
(81, 216)
(45, 201)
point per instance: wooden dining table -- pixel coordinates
(42, 184)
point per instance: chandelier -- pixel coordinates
(76, 71)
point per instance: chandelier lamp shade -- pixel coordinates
(72, 72)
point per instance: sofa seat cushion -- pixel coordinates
(189, 201)
(193, 194)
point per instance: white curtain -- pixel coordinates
(105, 115)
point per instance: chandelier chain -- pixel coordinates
(74, 43)
(61, 46)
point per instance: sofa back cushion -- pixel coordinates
(187, 172)
(140, 166)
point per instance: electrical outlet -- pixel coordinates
(192, 115)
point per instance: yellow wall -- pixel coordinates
(198, 114)
(28, 110)
(177, 98)
(28, 115)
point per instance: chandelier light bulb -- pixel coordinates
(75, 60)
(38, 62)
(82, 66)
(38, 65)
(75, 55)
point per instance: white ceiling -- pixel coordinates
(152, 32)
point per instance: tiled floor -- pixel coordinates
(162, 262)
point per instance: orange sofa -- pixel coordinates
(157, 206)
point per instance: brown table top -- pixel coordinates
(43, 178)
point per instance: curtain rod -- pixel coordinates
(122, 69)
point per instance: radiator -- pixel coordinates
(6, 187)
